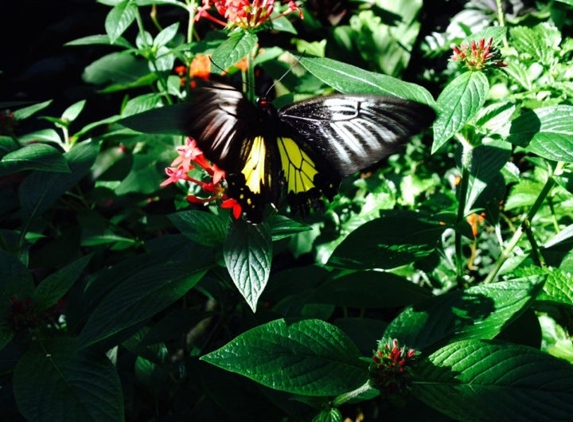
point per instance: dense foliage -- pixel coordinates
(436, 286)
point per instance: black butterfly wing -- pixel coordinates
(353, 132)
(238, 137)
(222, 122)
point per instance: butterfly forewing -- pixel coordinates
(356, 131)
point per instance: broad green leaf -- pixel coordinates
(486, 163)
(56, 285)
(561, 236)
(99, 39)
(42, 188)
(482, 381)
(120, 68)
(140, 104)
(237, 46)
(44, 135)
(170, 120)
(495, 32)
(34, 157)
(558, 287)
(309, 357)
(282, 227)
(15, 281)
(396, 238)
(119, 19)
(24, 113)
(52, 373)
(248, 254)
(460, 100)
(6, 335)
(478, 312)
(138, 295)
(349, 79)
(72, 112)
(546, 131)
(329, 415)
(201, 227)
(166, 35)
(369, 289)
(534, 43)
(523, 194)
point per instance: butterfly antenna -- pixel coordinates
(284, 74)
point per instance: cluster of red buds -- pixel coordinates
(390, 370)
(478, 55)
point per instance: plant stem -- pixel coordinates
(462, 198)
(250, 76)
(506, 252)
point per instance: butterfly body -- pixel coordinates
(301, 150)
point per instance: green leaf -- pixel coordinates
(26, 112)
(498, 382)
(34, 157)
(141, 295)
(460, 100)
(119, 19)
(478, 312)
(44, 135)
(546, 131)
(15, 281)
(201, 227)
(166, 35)
(309, 357)
(369, 289)
(42, 188)
(495, 32)
(282, 227)
(486, 163)
(100, 39)
(72, 112)
(56, 285)
(53, 372)
(248, 254)
(237, 46)
(396, 238)
(349, 79)
(558, 287)
(120, 68)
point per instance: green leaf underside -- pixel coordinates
(247, 252)
(309, 357)
(484, 381)
(348, 79)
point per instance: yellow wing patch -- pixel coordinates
(299, 169)
(254, 169)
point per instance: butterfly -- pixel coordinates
(301, 151)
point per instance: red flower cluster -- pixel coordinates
(391, 367)
(244, 14)
(189, 156)
(23, 314)
(478, 56)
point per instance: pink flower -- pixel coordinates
(189, 157)
(244, 14)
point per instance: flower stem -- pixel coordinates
(523, 227)
(462, 199)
